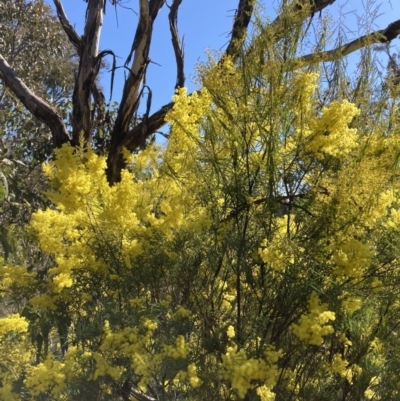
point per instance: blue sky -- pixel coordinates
(203, 24)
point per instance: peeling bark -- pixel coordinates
(76, 40)
(89, 66)
(43, 111)
(141, 48)
(73, 36)
(131, 92)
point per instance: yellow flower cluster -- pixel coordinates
(370, 392)
(184, 118)
(352, 372)
(90, 214)
(149, 325)
(351, 304)
(16, 352)
(331, 134)
(244, 372)
(339, 365)
(327, 134)
(131, 343)
(312, 327)
(13, 323)
(53, 375)
(265, 393)
(180, 350)
(103, 368)
(230, 332)
(190, 375)
(303, 87)
(6, 393)
(278, 252)
(15, 276)
(47, 376)
(352, 258)
(181, 313)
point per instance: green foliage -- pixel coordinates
(36, 47)
(254, 256)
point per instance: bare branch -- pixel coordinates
(131, 93)
(140, 48)
(99, 103)
(89, 67)
(140, 396)
(142, 131)
(299, 12)
(137, 136)
(302, 9)
(319, 5)
(43, 111)
(305, 7)
(133, 140)
(73, 36)
(178, 49)
(126, 391)
(76, 41)
(154, 8)
(382, 36)
(240, 25)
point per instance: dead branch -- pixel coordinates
(76, 40)
(140, 48)
(383, 36)
(42, 110)
(137, 136)
(304, 9)
(140, 396)
(133, 140)
(299, 12)
(176, 43)
(130, 97)
(89, 67)
(73, 36)
(239, 29)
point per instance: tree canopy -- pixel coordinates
(252, 256)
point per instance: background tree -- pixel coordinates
(252, 257)
(36, 49)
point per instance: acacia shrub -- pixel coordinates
(254, 256)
